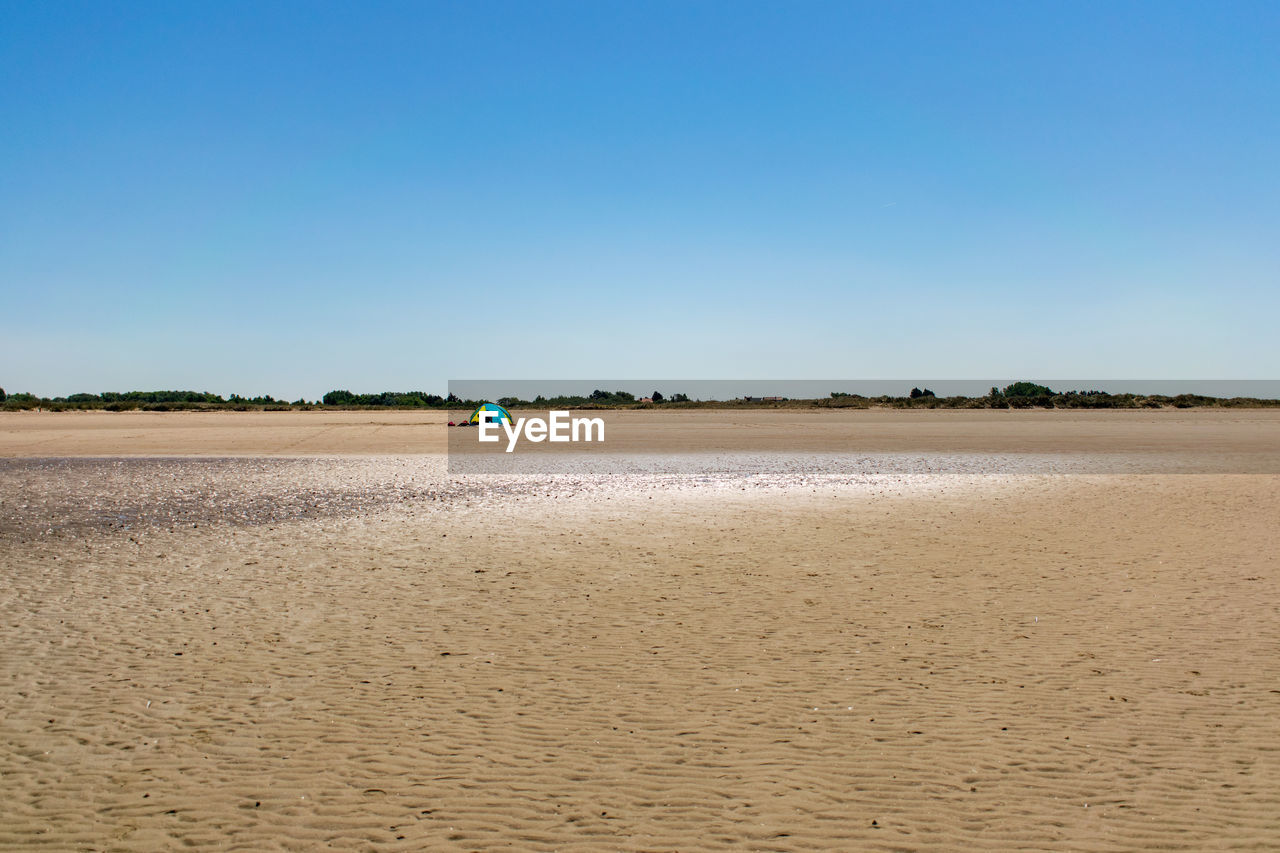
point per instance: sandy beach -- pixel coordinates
(1193, 431)
(839, 631)
(997, 568)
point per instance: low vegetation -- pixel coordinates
(1018, 395)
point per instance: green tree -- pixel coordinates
(1027, 389)
(338, 398)
(23, 400)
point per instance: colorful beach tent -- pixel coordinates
(499, 414)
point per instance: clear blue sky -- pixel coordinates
(287, 198)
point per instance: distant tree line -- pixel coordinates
(1017, 395)
(154, 401)
(597, 399)
(396, 399)
(1029, 395)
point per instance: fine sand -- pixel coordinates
(943, 631)
(1197, 431)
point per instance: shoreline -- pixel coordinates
(69, 497)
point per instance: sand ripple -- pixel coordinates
(1006, 662)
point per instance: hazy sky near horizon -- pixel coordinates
(286, 198)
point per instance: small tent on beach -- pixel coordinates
(499, 414)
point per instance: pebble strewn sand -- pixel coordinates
(367, 653)
(51, 496)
